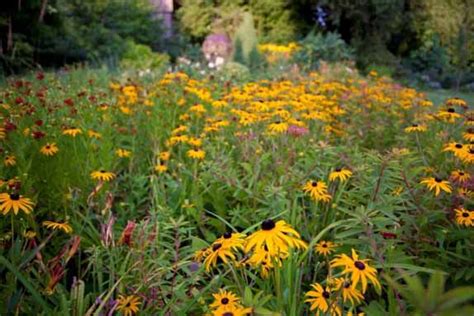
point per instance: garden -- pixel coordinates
(255, 158)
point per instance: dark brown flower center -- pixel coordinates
(228, 314)
(465, 214)
(461, 174)
(338, 169)
(459, 146)
(216, 247)
(324, 245)
(326, 294)
(14, 197)
(48, 147)
(227, 235)
(451, 110)
(268, 224)
(438, 180)
(314, 184)
(414, 125)
(225, 300)
(102, 171)
(359, 265)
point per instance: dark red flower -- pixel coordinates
(9, 126)
(38, 134)
(388, 235)
(39, 122)
(40, 76)
(19, 100)
(69, 102)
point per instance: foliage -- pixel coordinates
(141, 57)
(317, 46)
(150, 173)
(72, 31)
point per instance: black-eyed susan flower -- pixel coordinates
(265, 261)
(164, 155)
(277, 127)
(9, 161)
(103, 175)
(456, 102)
(93, 134)
(276, 237)
(65, 227)
(348, 292)
(460, 176)
(449, 115)
(50, 149)
(128, 305)
(224, 299)
(15, 202)
(437, 184)
(325, 248)
(218, 251)
(123, 153)
(464, 217)
(317, 190)
(359, 270)
(233, 310)
(197, 154)
(320, 299)
(3, 133)
(161, 167)
(458, 149)
(469, 135)
(341, 174)
(235, 241)
(416, 128)
(74, 131)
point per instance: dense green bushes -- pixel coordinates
(73, 31)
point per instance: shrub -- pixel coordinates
(317, 46)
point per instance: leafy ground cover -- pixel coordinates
(333, 194)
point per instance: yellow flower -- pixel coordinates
(449, 115)
(217, 250)
(276, 237)
(102, 175)
(128, 305)
(358, 268)
(325, 247)
(9, 161)
(416, 128)
(49, 149)
(464, 217)
(265, 261)
(320, 299)
(460, 176)
(94, 134)
(165, 155)
(196, 154)
(437, 184)
(469, 135)
(15, 202)
(161, 168)
(224, 299)
(123, 153)
(72, 131)
(278, 127)
(235, 241)
(55, 225)
(232, 310)
(458, 149)
(342, 174)
(348, 292)
(317, 191)
(2, 133)
(29, 234)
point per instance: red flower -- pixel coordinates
(38, 134)
(127, 233)
(19, 100)
(9, 126)
(69, 102)
(388, 235)
(40, 76)
(39, 123)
